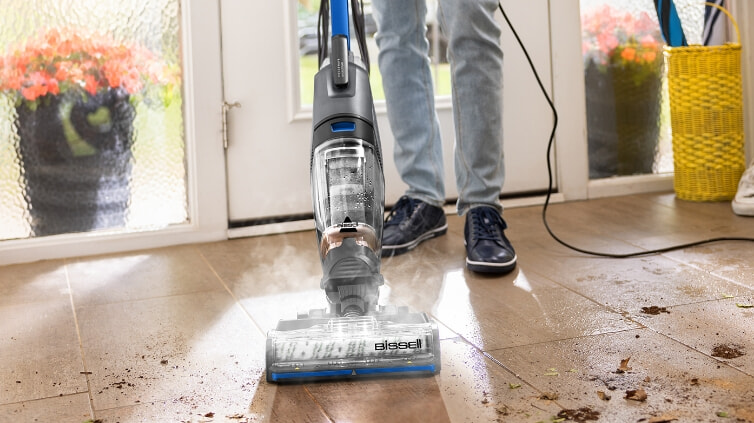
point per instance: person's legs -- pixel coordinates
(476, 60)
(407, 81)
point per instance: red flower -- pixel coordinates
(59, 60)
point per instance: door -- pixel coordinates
(269, 135)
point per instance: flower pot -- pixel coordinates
(623, 119)
(76, 159)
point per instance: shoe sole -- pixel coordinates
(395, 250)
(489, 267)
(743, 208)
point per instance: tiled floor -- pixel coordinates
(177, 334)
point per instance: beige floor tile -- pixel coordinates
(165, 349)
(627, 285)
(731, 260)
(259, 266)
(713, 328)
(66, 409)
(387, 399)
(475, 389)
(497, 312)
(40, 356)
(34, 282)
(140, 275)
(678, 381)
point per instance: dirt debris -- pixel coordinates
(636, 395)
(583, 414)
(727, 351)
(654, 310)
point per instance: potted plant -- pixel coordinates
(74, 93)
(623, 65)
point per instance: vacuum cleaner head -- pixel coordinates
(316, 347)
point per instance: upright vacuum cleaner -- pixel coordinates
(354, 336)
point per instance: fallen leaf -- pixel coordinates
(603, 396)
(552, 374)
(740, 305)
(665, 418)
(636, 395)
(514, 385)
(210, 415)
(552, 396)
(722, 414)
(236, 416)
(727, 296)
(623, 366)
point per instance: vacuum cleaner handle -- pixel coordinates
(341, 42)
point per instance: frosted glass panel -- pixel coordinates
(91, 117)
(628, 115)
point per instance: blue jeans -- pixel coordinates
(476, 63)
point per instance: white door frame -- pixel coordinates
(205, 159)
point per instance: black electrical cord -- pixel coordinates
(549, 174)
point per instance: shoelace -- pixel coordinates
(402, 210)
(486, 224)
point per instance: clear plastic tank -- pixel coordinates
(348, 191)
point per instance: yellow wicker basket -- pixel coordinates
(704, 85)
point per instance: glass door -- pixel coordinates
(627, 108)
(268, 68)
(91, 117)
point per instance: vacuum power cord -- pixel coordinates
(550, 177)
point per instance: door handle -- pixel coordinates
(227, 106)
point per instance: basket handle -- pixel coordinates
(724, 10)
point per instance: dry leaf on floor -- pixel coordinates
(623, 366)
(637, 395)
(665, 418)
(552, 396)
(514, 385)
(740, 305)
(603, 396)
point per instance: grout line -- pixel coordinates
(232, 294)
(321, 408)
(81, 342)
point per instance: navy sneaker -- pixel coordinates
(487, 248)
(409, 223)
